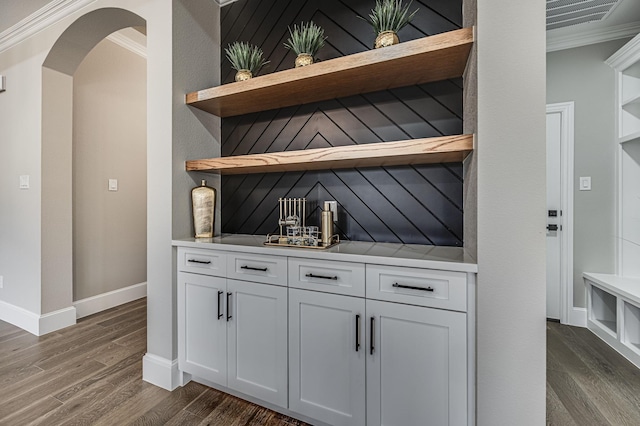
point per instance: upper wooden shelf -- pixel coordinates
(432, 58)
(445, 149)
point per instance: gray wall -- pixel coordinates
(14, 11)
(580, 75)
(510, 151)
(109, 141)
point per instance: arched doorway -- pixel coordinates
(57, 123)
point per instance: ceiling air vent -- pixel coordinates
(564, 13)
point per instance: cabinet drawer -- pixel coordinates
(424, 287)
(202, 261)
(258, 268)
(327, 276)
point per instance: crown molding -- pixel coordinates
(42, 18)
(128, 43)
(592, 36)
(626, 55)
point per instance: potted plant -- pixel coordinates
(305, 41)
(387, 18)
(246, 59)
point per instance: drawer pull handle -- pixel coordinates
(203, 262)
(412, 287)
(357, 332)
(251, 268)
(228, 306)
(371, 334)
(324, 277)
(219, 313)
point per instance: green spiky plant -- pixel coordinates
(245, 56)
(306, 38)
(390, 15)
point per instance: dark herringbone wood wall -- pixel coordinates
(420, 204)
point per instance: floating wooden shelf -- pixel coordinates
(445, 149)
(433, 58)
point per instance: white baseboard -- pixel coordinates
(578, 317)
(56, 320)
(20, 317)
(161, 372)
(111, 299)
(34, 323)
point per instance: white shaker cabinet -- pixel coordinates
(345, 337)
(327, 357)
(232, 333)
(416, 366)
(257, 341)
(202, 326)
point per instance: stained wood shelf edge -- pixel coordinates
(434, 58)
(445, 149)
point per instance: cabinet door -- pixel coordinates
(416, 366)
(202, 330)
(326, 368)
(257, 339)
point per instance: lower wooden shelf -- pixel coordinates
(445, 149)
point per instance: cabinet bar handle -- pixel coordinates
(324, 277)
(219, 313)
(228, 306)
(251, 268)
(372, 333)
(208, 262)
(412, 287)
(357, 332)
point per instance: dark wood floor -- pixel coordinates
(91, 374)
(588, 383)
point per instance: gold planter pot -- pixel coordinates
(386, 38)
(303, 60)
(243, 75)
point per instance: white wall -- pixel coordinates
(21, 224)
(109, 142)
(511, 212)
(580, 75)
(56, 226)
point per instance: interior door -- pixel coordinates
(554, 213)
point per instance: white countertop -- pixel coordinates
(406, 255)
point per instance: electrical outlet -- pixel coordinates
(333, 206)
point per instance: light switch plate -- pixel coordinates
(24, 182)
(585, 183)
(113, 184)
(1, 281)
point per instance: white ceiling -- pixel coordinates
(564, 13)
(625, 14)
